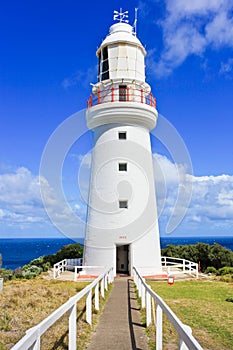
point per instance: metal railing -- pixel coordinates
(126, 94)
(175, 264)
(186, 339)
(32, 338)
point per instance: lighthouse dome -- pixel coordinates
(121, 32)
(121, 56)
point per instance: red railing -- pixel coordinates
(121, 94)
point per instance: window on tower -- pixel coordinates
(122, 166)
(122, 135)
(123, 204)
(122, 92)
(105, 66)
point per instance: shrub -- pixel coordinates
(208, 255)
(225, 271)
(211, 269)
(6, 274)
(18, 272)
(31, 271)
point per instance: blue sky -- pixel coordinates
(47, 62)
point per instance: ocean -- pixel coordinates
(19, 252)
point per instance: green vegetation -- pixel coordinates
(43, 263)
(204, 306)
(208, 255)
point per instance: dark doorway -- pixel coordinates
(122, 263)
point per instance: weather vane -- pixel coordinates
(121, 16)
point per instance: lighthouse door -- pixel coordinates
(122, 263)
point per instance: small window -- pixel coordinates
(123, 204)
(122, 135)
(122, 92)
(122, 166)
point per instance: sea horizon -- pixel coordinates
(17, 252)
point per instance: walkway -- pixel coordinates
(119, 326)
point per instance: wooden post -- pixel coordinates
(89, 307)
(143, 299)
(97, 297)
(159, 328)
(102, 287)
(148, 309)
(182, 345)
(106, 282)
(72, 327)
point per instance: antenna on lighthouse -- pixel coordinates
(135, 20)
(120, 16)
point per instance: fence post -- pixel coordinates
(72, 327)
(106, 282)
(159, 328)
(97, 297)
(102, 287)
(139, 288)
(182, 345)
(89, 307)
(143, 298)
(112, 94)
(148, 309)
(36, 345)
(75, 274)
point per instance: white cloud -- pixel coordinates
(212, 196)
(211, 203)
(21, 203)
(189, 28)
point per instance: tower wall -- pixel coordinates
(109, 225)
(122, 218)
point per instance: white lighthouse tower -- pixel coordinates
(122, 224)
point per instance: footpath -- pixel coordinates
(120, 326)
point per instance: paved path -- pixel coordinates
(119, 326)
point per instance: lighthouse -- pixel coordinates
(122, 224)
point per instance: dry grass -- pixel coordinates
(25, 303)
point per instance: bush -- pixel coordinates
(226, 270)
(18, 272)
(211, 269)
(208, 255)
(6, 274)
(70, 251)
(31, 271)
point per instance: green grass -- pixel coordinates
(202, 306)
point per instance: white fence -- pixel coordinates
(66, 264)
(58, 268)
(186, 340)
(32, 338)
(177, 265)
